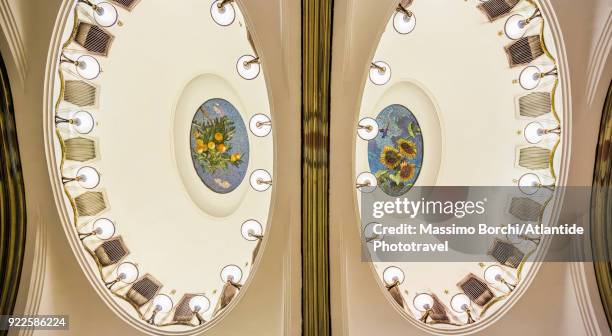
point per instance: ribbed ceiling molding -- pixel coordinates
(316, 68)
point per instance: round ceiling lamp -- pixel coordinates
(261, 180)
(369, 235)
(534, 132)
(231, 273)
(380, 73)
(495, 274)
(260, 125)
(531, 76)
(87, 177)
(82, 122)
(252, 230)
(424, 303)
(248, 67)
(530, 184)
(404, 20)
(199, 304)
(126, 272)
(516, 25)
(162, 303)
(367, 129)
(461, 303)
(223, 12)
(104, 13)
(86, 66)
(366, 182)
(103, 229)
(393, 276)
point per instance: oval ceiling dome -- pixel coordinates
(467, 95)
(162, 153)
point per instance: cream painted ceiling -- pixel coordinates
(458, 57)
(466, 78)
(180, 236)
(455, 57)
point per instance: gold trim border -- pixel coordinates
(601, 210)
(316, 74)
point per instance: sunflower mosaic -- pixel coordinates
(219, 145)
(395, 156)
